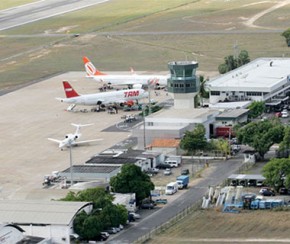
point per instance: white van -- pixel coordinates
(172, 163)
(171, 188)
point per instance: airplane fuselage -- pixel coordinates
(107, 97)
(133, 79)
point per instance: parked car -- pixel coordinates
(102, 237)
(152, 171)
(111, 230)
(185, 172)
(105, 233)
(252, 183)
(284, 191)
(148, 205)
(260, 183)
(268, 193)
(167, 171)
(161, 201)
(284, 114)
(135, 215)
(265, 189)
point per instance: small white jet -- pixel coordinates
(71, 139)
(103, 98)
(133, 79)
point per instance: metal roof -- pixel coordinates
(246, 177)
(110, 160)
(39, 212)
(91, 169)
(233, 113)
(263, 74)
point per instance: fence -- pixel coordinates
(176, 219)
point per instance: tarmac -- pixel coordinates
(31, 114)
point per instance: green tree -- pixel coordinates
(221, 145)
(222, 68)
(256, 109)
(98, 195)
(194, 140)
(261, 135)
(243, 58)
(88, 226)
(286, 34)
(131, 179)
(285, 144)
(202, 91)
(231, 62)
(114, 215)
(277, 173)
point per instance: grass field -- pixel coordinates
(214, 226)
(30, 53)
(204, 30)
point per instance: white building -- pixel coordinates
(173, 123)
(263, 79)
(52, 220)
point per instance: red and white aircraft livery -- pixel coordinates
(112, 97)
(133, 79)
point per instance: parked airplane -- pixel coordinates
(133, 79)
(104, 98)
(71, 139)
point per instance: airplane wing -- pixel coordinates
(88, 141)
(54, 140)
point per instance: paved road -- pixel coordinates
(220, 171)
(39, 10)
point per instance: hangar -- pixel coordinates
(52, 220)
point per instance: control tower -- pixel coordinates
(183, 83)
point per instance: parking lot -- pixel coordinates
(31, 115)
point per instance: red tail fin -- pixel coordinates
(90, 68)
(69, 91)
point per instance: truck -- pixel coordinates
(171, 188)
(182, 181)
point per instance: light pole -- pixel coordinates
(71, 164)
(144, 129)
(149, 94)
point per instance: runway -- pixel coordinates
(39, 10)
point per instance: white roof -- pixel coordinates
(246, 177)
(230, 105)
(261, 75)
(39, 212)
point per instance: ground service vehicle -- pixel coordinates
(171, 188)
(182, 181)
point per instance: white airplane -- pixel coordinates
(71, 139)
(133, 79)
(102, 98)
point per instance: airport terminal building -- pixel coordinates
(264, 79)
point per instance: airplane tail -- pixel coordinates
(79, 126)
(91, 70)
(69, 91)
